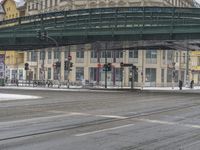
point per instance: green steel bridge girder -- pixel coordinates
(101, 24)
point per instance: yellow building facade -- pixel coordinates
(195, 66)
(14, 60)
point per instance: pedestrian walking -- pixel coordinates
(180, 84)
(192, 84)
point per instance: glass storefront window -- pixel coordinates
(49, 73)
(79, 73)
(150, 75)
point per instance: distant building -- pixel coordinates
(14, 60)
(2, 13)
(195, 66)
(39, 6)
(155, 67)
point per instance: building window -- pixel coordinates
(56, 54)
(46, 3)
(29, 7)
(20, 74)
(170, 55)
(150, 75)
(169, 75)
(32, 6)
(151, 56)
(133, 53)
(51, 3)
(163, 54)
(79, 73)
(55, 73)
(28, 56)
(108, 54)
(56, 2)
(49, 73)
(66, 52)
(80, 54)
(184, 57)
(135, 75)
(42, 55)
(33, 56)
(118, 74)
(41, 5)
(176, 56)
(94, 74)
(162, 75)
(93, 54)
(118, 54)
(49, 55)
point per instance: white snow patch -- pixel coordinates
(5, 97)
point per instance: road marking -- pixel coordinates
(111, 116)
(87, 114)
(157, 121)
(170, 123)
(70, 113)
(33, 120)
(104, 130)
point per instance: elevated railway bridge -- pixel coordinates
(146, 24)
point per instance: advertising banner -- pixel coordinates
(2, 66)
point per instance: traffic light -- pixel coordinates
(105, 67)
(58, 64)
(135, 68)
(26, 66)
(66, 65)
(109, 67)
(71, 64)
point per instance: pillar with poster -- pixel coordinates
(2, 69)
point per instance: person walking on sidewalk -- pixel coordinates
(180, 84)
(192, 84)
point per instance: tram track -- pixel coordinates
(100, 121)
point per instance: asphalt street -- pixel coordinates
(89, 120)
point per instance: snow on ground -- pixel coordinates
(80, 88)
(6, 97)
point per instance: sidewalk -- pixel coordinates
(110, 88)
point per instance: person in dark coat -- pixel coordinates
(192, 84)
(180, 84)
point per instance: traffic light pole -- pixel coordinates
(57, 49)
(68, 71)
(106, 62)
(132, 78)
